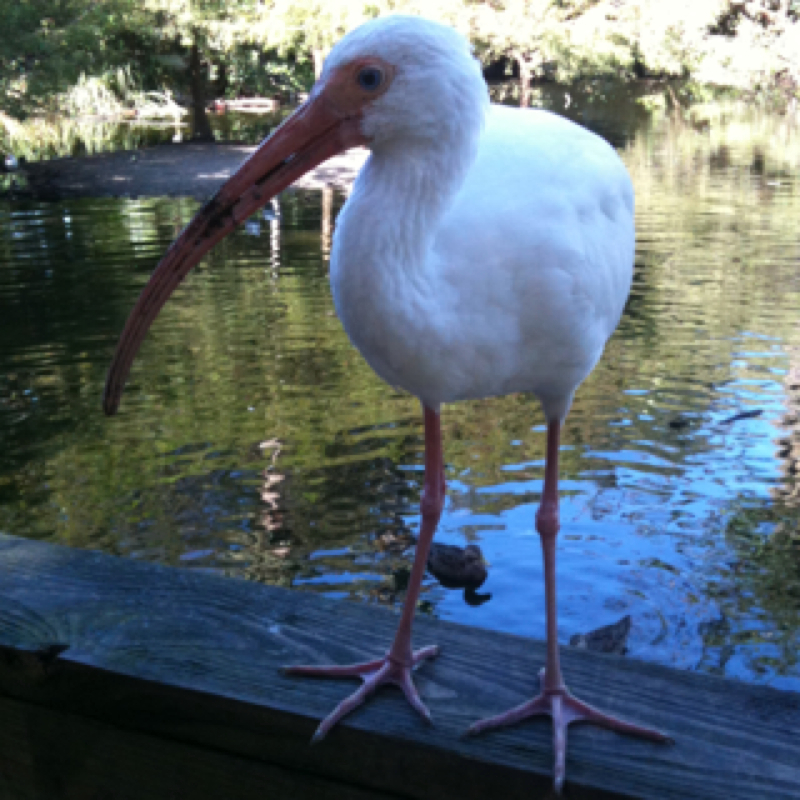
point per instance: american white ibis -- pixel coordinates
(483, 251)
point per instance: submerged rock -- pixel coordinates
(608, 639)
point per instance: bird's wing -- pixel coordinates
(537, 251)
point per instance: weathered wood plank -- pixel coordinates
(178, 658)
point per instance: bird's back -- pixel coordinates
(534, 258)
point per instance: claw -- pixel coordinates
(344, 671)
(564, 709)
(412, 695)
(431, 651)
(373, 674)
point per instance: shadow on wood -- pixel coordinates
(126, 680)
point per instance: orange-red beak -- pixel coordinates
(315, 132)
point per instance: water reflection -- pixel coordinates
(254, 440)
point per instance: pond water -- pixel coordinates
(254, 441)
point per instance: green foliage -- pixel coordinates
(50, 46)
(91, 96)
(99, 56)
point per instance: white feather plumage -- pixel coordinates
(484, 250)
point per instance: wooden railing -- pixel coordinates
(120, 679)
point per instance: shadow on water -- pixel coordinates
(253, 440)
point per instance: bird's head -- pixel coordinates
(405, 78)
(394, 80)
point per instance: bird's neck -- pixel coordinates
(400, 197)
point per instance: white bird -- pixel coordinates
(484, 250)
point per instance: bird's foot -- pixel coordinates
(373, 674)
(564, 709)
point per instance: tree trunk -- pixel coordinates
(525, 64)
(201, 127)
(319, 59)
(221, 86)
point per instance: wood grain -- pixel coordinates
(107, 665)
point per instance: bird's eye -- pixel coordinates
(370, 78)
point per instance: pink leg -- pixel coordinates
(554, 698)
(397, 665)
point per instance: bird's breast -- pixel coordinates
(391, 320)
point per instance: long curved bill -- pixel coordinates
(314, 133)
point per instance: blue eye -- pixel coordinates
(370, 78)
